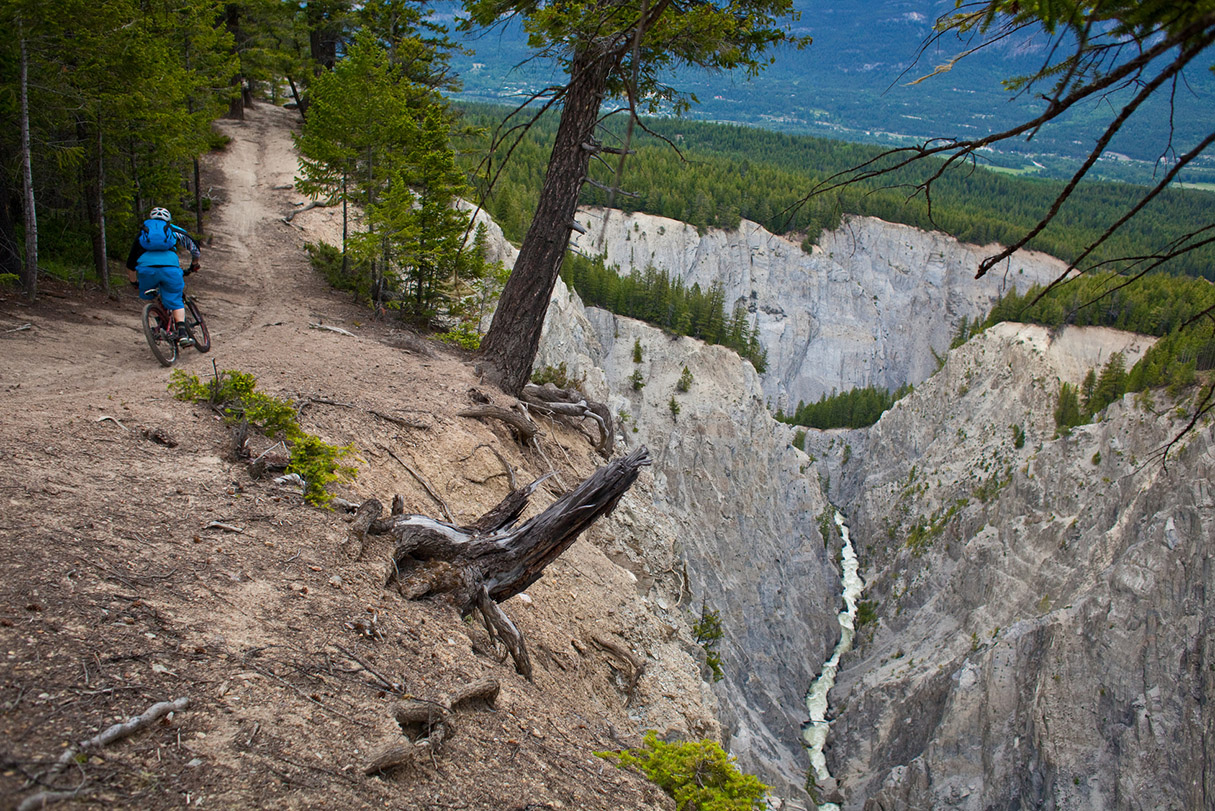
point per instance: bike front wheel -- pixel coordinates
(197, 326)
(156, 330)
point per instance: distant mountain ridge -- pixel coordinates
(853, 83)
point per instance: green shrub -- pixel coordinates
(685, 381)
(708, 633)
(327, 261)
(636, 350)
(866, 613)
(799, 439)
(637, 380)
(235, 395)
(463, 335)
(698, 774)
(674, 406)
(559, 376)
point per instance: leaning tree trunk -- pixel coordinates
(510, 346)
(482, 564)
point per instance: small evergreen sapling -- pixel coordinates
(697, 774)
(685, 381)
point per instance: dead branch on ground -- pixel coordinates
(426, 725)
(492, 559)
(110, 735)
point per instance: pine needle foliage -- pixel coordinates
(699, 775)
(234, 394)
(708, 633)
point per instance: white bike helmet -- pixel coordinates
(160, 214)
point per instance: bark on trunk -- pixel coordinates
(509, 348)
(198, 211)
(95, 197)
(491, 560)
(236, 101)
(30, 270)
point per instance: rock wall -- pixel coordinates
(1043, 635)
(743, 506)
(868, 306)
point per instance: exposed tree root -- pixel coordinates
(482, 564)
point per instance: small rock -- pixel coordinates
(335, 581)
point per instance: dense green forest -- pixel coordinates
(856, 408)
(653, 296)
(111, 105)
(722, 173)
(819, 91)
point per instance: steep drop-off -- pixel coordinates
(1043, 633)
(744, 506)
(1042, 627)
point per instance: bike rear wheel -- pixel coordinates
(156, 330)
(197, 326)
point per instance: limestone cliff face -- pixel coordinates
(869, 306)
(1043, 635)
(742, 504)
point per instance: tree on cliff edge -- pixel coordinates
(613, 48)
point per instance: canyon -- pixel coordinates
(1041, 631)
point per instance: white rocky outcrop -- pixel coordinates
(1042, 638)
(870, 305)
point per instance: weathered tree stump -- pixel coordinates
(491, 560)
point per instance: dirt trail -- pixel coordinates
(125, 582)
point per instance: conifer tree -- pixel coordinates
(621, 47)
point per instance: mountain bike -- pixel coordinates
(161, 332)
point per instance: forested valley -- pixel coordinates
(713, 175)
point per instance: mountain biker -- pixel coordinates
(153, 265)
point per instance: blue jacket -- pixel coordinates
(139, 257)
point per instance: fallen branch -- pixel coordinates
(418, 476)
(314, 204)
(21, 328)
(105, 417)
(635, 666)
(398, 420)
(44, 798)
(510, 471)
(114, 733)
(387, 684)
(426, 725)
(338, 330)
(224, 527)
